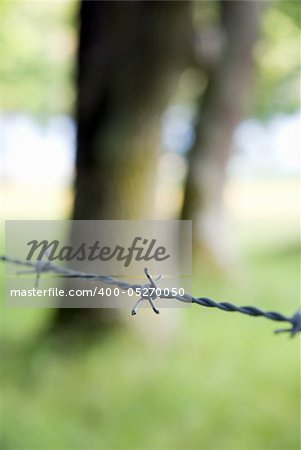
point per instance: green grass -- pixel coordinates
(218, 381)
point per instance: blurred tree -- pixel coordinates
(220, 110)
(130, 54)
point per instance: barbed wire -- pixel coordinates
(149, 292)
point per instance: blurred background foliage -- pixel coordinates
(278, 61)
(193, 379)
(45, 66)
(48, 75)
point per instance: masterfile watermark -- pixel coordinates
(67, 257)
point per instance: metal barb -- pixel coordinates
(38, 268)
(150, 297)
(296, 325)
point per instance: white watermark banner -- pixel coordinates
(97, 264)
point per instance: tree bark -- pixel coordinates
(129, 56)
(220, 111)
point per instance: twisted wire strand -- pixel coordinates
(47, 266)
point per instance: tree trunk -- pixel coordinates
(130, 54)
(220, 111)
